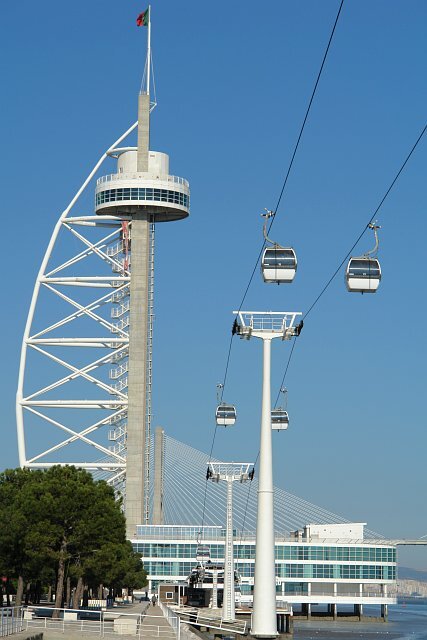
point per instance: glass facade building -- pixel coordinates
(308, 569)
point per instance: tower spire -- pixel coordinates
(147, 88)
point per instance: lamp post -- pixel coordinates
(230, 472)
(266, 326)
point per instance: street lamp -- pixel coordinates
(266, 326)
(230, 472)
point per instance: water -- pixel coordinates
(405, 622)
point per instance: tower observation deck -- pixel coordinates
(141, 192)
(102, 343)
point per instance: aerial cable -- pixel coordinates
(325, 55)
(286, 371)
(277, 206)
(369, 225)
(369, 222)
(286, 177)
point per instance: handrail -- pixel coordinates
(10, 621)
(113, 177)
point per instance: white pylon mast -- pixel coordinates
(266, 326)
(230, 472)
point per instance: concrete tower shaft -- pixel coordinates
(142, 192)
(97, 326)
(138, 439)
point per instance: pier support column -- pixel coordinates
(334, 611)
(358, 610)
(289, 624)
(306, 609)
(384, 612)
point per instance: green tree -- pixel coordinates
(15, 561)
(63, 521)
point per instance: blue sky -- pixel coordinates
(233, 83)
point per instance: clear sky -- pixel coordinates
(233, 82)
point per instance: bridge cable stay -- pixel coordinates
(182, 471)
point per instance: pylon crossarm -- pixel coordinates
(266, 323)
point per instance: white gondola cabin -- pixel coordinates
(279, 419)
(363, 275)
(279, 264)
(203, 554)
(225, 415)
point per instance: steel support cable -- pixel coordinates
(216, 426)
(337, 270)
(287, 173)
(285, 183)
(369, 222)
(325, 55)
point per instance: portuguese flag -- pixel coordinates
(142, 19)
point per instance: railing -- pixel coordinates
(117, 372)
(172, 618)
(119, 295)
(10, 621)
(112, 177)
(114, 249)
(201, 618)
(120, 325)
(175, 532)
(356, 595)
(121, 384)
(101, 623)
(117, 312)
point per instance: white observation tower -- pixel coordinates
(86, 362)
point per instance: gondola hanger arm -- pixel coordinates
(267, 215)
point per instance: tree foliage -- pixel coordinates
(63, 523)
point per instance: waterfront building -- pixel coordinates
(320, 564)
(330, 562)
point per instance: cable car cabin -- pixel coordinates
(225, 415)
(278, 264)
(279, 419)
(363, 275)
(203, 554)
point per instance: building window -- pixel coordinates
(146, 194)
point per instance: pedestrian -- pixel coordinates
(153, 600)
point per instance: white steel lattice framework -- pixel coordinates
(83, 348)
(86, 359)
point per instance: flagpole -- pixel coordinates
(149, 50)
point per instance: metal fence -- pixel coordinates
(172, 619)
(10, 621)
(101, 623)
